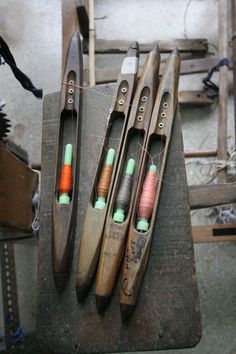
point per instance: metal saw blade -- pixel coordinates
(4, 125)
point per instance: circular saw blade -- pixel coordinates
(4, 125)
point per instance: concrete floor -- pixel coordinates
(33, 31)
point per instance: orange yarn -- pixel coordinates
(148, 195)
(65, 185)
(104, 181)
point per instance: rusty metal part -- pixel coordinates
(4, 125)
(9, 291)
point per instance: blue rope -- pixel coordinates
(18, 335)
(207, 80)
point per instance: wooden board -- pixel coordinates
(214, 233)
(205, 195)
(188, 66)
(185, 45)
(168, 312)
(17, 186)
(195, 98)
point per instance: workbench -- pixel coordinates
(167, 314)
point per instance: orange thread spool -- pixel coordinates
(65, 185)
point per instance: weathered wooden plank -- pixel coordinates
(64, 326)
(185, 45)
(188, 66)
(222, 153)
(194, 98)
(233, 59)
(204, 195)
(194, 66)
(199, 153)
(91, 44)
(214, 233)
(18, 183)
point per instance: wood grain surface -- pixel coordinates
(17, 186)
(188, 66)
(168, 311)
(184, 45)
(205, 195)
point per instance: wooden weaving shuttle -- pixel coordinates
(65, 193)
(91, 236)
(156, 150)
(123, 192)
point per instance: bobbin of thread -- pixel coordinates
(124, 193)
(147, 199)
(105, 180)
(65, 184)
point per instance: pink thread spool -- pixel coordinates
(147, 199)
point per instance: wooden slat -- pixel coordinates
(204, 196)
(223, 87)
(194, 66)
(199, 153)
(233, 59)
(17, 186)
(91, 44)
(214, 233)
(189, 66)
(185, 45)
(194, 98)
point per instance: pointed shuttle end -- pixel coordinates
(133, 50)
(81, 292)
(155, 48)
(75, 35)
(126, 312)
(134, 45)
(175, 51)
(60, 281)
(102, 302)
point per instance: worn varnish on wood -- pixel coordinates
(167, 313)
